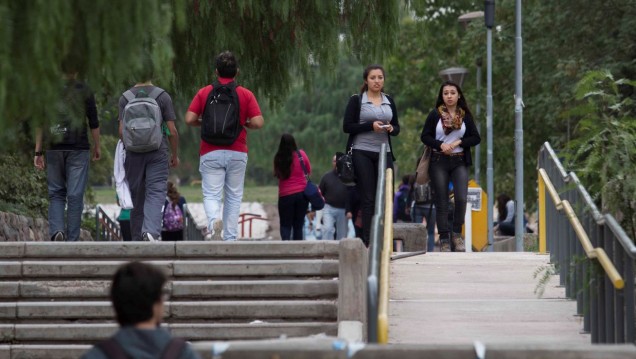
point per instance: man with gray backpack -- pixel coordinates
(146, 125)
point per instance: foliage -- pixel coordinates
(544, 273)
(23, 189)
(115, 43)
(101, 172)
(606, 129)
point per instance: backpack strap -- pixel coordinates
(156, 92)
(302, 164)
(173, 349)
(112, 349)
(129, 95)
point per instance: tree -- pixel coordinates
(114, 43)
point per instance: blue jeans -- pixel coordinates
(444, 169)
(291, 212)
(66, 175)
(419, 212)
(334, 220)
(223, 175)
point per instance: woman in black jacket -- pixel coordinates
(370, 119)
(450, 131)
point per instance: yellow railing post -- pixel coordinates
(542, 216)
(387, 248)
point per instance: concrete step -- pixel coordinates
(179, 311)
(92, 269)
(99, 289)
(91, 333)
(141, 250)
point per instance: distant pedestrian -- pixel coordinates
(336, 212)
(292, 204)
(147, 156)
(450, 131)
(370, 119)
(173, 215)
(402, 201)
(223, 147)
(68, 155)
(138, 296)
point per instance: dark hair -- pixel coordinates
(408, 179)
(173, 194)
(461, 102)
(226, 64)
(502, 200)
(365, 74)
(284, 157)
(135, 289)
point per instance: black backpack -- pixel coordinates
(220, 122)
(68, 123)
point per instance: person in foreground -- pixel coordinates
(138, 299)
(292, 204)
(450, 131)
(370, 119)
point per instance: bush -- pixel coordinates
(23, 189)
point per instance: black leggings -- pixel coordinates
(365, 165)
(442, 170)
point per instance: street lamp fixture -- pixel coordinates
(467, 18)
(454, 74)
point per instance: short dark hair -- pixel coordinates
(135, 289)
(226, 64)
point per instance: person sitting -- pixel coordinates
(137, 294)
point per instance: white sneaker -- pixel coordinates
(147, 237)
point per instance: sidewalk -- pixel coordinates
(457, 298)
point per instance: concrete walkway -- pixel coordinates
(457, 298)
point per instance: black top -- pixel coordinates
(351, 122)
(335, 192)
(471, 136)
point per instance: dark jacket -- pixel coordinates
(471, 137)
(351, 122)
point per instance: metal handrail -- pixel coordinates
(192, 231)
(387, 249)
(106, 229)
(590, 251)
(249, 220)
(377, 227)
(605, 297)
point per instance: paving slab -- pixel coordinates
(260, 249)
(10, 269)
(254, 330)
(282, 267)
(255, 310)
(132, 250)
(457, 298)
(12, 249)
(256, 289)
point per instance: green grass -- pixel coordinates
(263, 194)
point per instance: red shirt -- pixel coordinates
(296, 181)
(248, 108)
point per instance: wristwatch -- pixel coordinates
(38, 153)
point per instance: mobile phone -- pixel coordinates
(385, 126)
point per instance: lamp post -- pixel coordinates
(465, 19)
(454, 74)
(519, 229)
(489, 16)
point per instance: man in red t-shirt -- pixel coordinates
(223, 167)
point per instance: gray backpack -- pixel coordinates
(142, 119)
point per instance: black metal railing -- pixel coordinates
(106, 228)
(607, 307)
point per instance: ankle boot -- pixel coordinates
(458, 242)
(445, 245)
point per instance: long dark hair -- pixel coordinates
(502, 200)
(461, 102)
(284, 156)
(365, 74)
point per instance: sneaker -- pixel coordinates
(58, 237)
(217, 229)
(147, 237)
(445, 245)
(458, 242)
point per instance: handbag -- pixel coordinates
(422, 192)
(421, 172)
(312, 192)
(344, 168)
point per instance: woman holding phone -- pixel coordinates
(370, 119)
